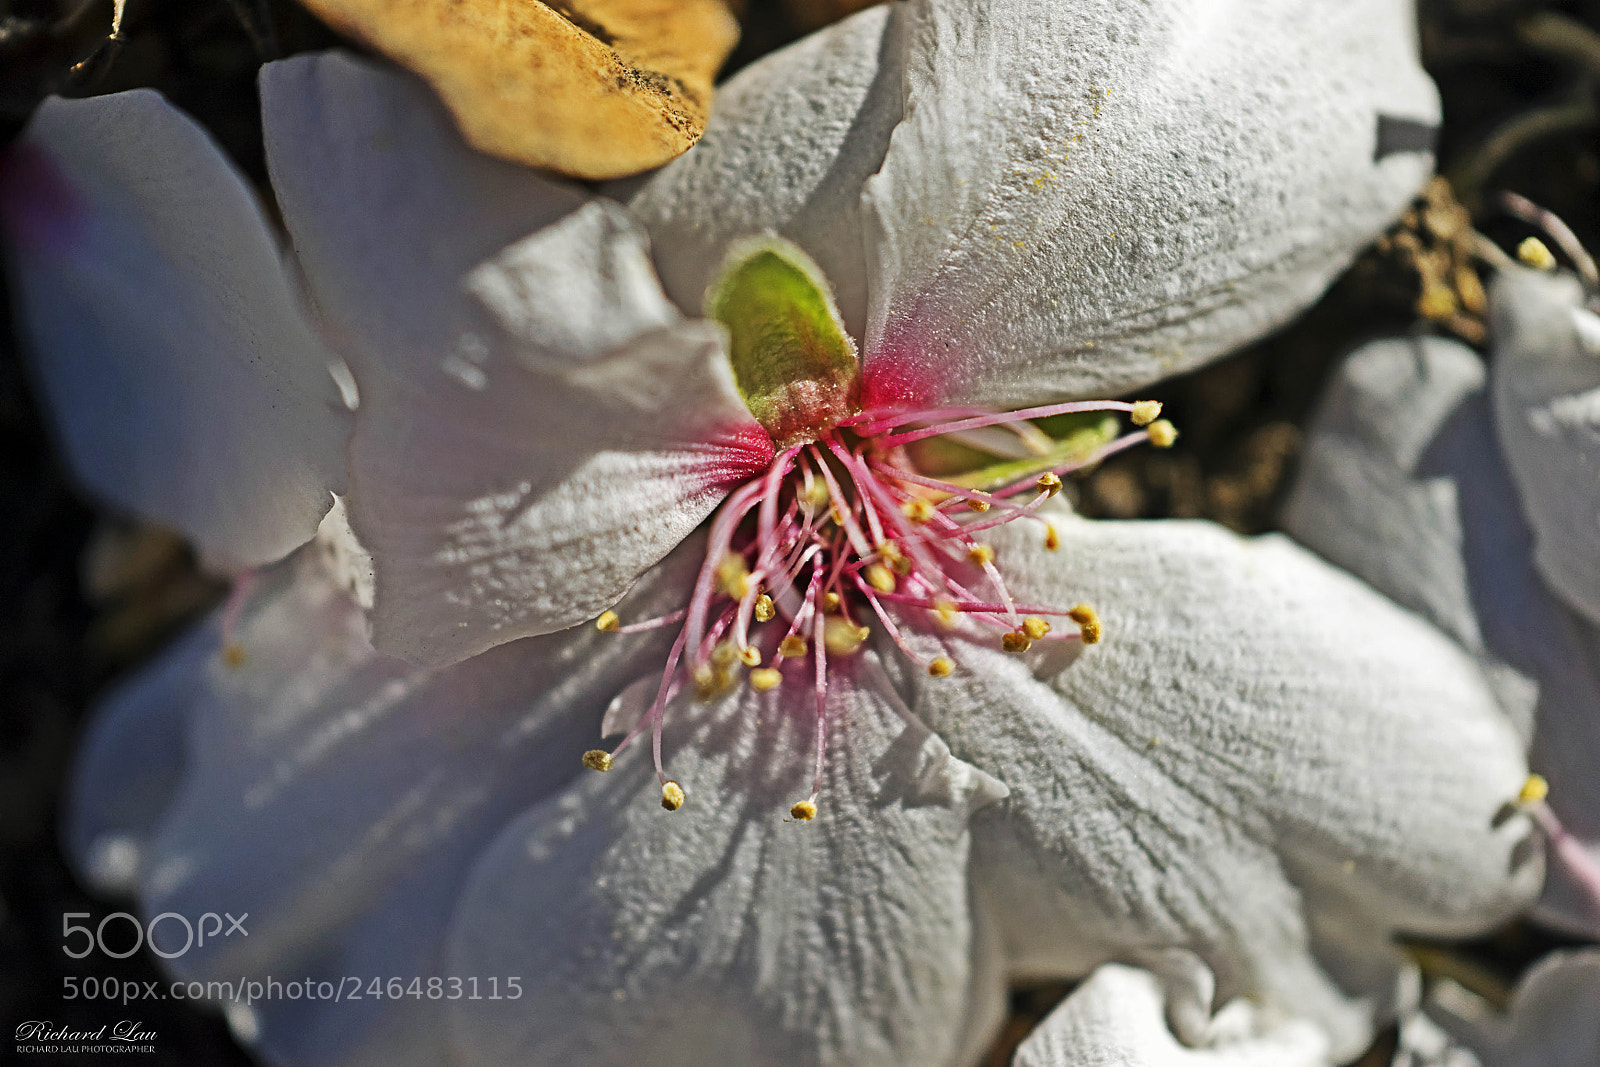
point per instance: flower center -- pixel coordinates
(844, 531)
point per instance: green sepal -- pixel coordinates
(793, 362)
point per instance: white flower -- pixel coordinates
(1405, 485)
(1265, 764)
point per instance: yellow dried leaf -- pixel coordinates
(591, 88)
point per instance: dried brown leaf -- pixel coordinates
(591, 88)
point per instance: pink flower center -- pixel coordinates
(841, 534)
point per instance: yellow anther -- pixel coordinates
(750, 656)
(765, 609)
(804, 811)
(733, 577)
(917, 511)
(724, 655)
(945, 611)
(980, 554)
(597, 759)
(709, 681)
(1437, 302)
(233, 654)
(608, 622)
(895, 557)
(974, 504)
(1145, 412)
(841, 637)
(1035, 627)
(1052, 540)
(880, 578)
(1088, 621)
(1016, 641)
(672, 796)
(941, 667)
(765, 678)
(830, 603)
(1534, 253)
(816, 496)
(792, 647)
(1162, 433)
(836, 515)
(1533, 791)
(1049, 483)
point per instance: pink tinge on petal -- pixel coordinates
(896, 376)
(38, 205)
(745, 451)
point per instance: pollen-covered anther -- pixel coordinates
(672, 797)
(765, 610)
(711, 680)
(750, 656)
(597, 759)
(941, 667)
(1162, 433)
(1088, 621)
(733, 577)
(1536, 254)
(945, 611)
(792, 647)
(804, 811)
(918, 512)
(1145, 412)
(1049, 483)
(1016, 641)
(880, 578)
(974, 504)
(830, 603)
(978, 555)
(1052, 540)
(1035, 627)
(608, 622)
(1533, 791)
(895, 557)
(841, 637)
(233, 655)
(765, 678)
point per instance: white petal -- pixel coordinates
(131, 764)
(184, 377)
(1258, 739)
(1115, 1019)
(538, 426)
(1547, 409)
(1087, 197)
(722, 933)
(1403, 484)
(338, 796)
(792, 139)
(1552, 1022)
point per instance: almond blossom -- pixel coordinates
(1260, 764)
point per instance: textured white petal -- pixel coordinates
(722, 933)
(793, 138)
(338, 796)
(184, 377)
(1552, 1021)
(1086, 197)
(1547, 409)
(1116, 1019)
(1258, 739)
(538, 425)
(1403, 484)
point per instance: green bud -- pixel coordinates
(795, 366)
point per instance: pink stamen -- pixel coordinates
(1071, 408)
(1570, 853)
